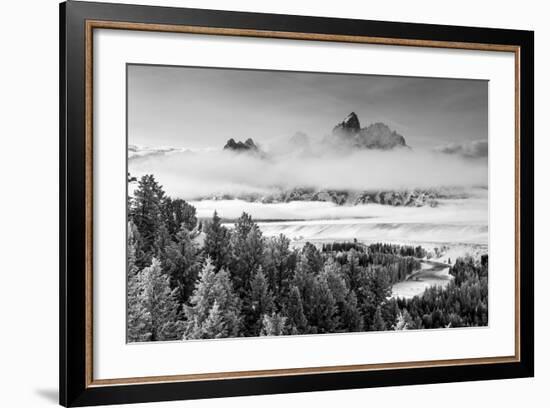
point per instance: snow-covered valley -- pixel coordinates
(457, 223)
(455, 228)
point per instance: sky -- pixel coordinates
(179, 119)
(187, 107)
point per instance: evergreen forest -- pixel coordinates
(191, 278)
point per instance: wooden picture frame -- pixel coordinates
(78, 20)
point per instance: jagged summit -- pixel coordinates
(375, 136)
(248, 145)
(350, 123)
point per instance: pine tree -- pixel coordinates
(352, 270)
(333, 275)
(158, 300)
(214, 327)
(247, 252)
(390, 312)
(304, 281)
(259, 301)
(273, 325)
(146, 215)
(312, 258)
(138, 318)
(217, 243)
(213, 287)
(135, 248)
(373, 290)
(404, 321)
(181, 262)
(378, 323)
(177, 212)
(351, 320)
(294, 310)
(279, 264)
(162, 241)
(323, 316)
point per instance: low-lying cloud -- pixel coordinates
(205, 173)
(470, 211)
(472, 150)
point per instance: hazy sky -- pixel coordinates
(203, 107)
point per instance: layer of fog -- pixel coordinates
(471, 150)
(451, 222)
(200, 174)
(396, 233)
(471, 210)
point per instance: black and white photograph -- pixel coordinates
(274, 203)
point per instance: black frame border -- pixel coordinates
(73, 390)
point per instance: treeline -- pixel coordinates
(193, 280)
(399, 260)
(402, 250)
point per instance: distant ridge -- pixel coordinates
(375, 136)
(248, 145)
(347, 133)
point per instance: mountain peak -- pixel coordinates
(375, 136)
(241, 146)
(350, 123)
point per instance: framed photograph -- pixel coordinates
(256, 204)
